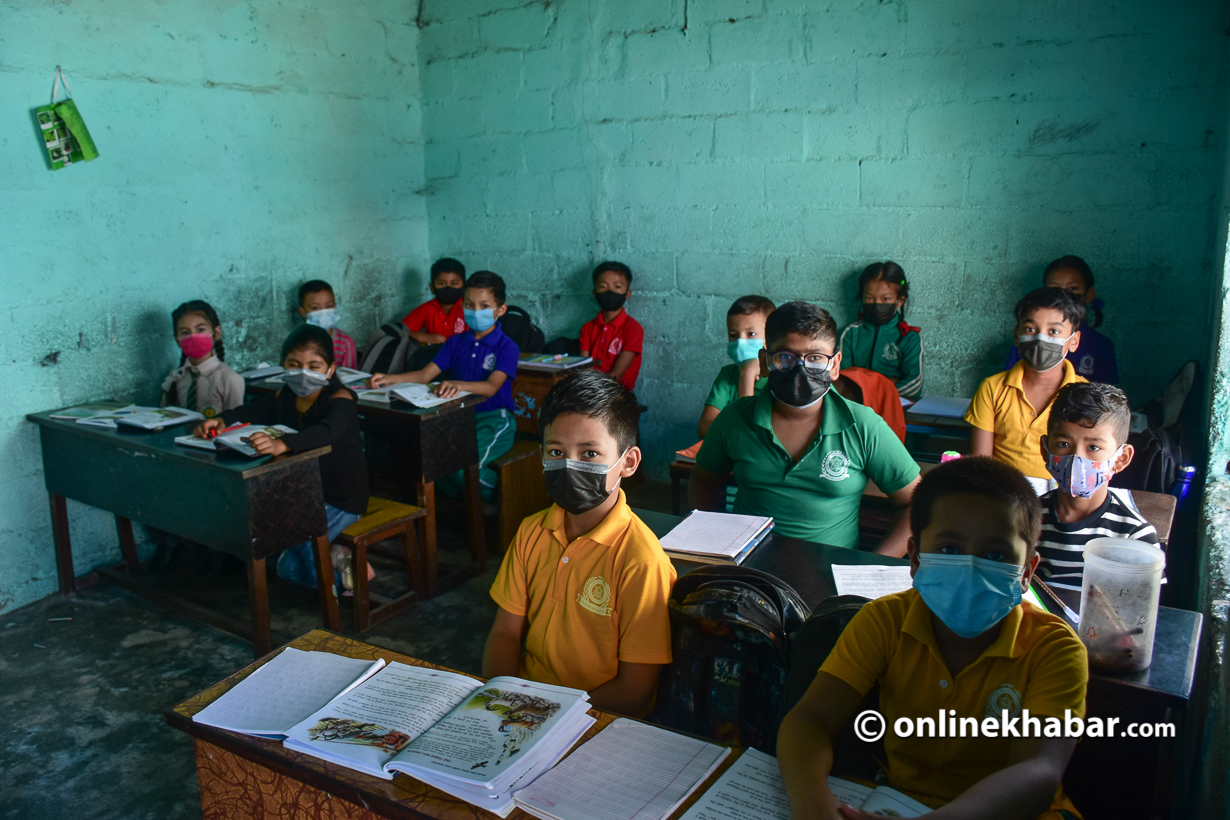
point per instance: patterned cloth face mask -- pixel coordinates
(1079, 476)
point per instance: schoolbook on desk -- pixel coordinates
(419, 395)
(752, 789)
(553, 362)
(629, 771)
(716, 538)
(235, 438)
(472, 740)
(144, 418)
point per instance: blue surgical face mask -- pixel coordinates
(969, 594)
(740, 350)
(480, 320)
(326, 318)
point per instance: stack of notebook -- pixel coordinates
(716, 538)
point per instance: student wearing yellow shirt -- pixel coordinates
(959, 643)
(583, 589)
(1010, 410)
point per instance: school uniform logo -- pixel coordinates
(617, 344)
(459, 325)
(836, 466)
(891, 353)
(1006, 697)
(1085, 366)
(595, 596)
(209, 412)
(489, 362)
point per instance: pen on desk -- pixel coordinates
(215, 433)
(1071, 616)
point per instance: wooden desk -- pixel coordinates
(250, 508)
(530, 388)
(408, 449)
(242, 776)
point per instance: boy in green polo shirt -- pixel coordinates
(745, 333)
(799, 451)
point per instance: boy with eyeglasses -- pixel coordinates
(799, 451)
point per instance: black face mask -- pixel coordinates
(447, 296)
(799, 386)
(576, 486)
(610, 300)
(879, 313)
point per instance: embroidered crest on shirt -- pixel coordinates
(209, 412)
(595, 596)
(489, 362)
(1006, 697)
(617, 344)
(1085, 368)
(891, 353)
(836, 466)
(459, 325)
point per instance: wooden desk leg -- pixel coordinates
(63, 544)
(258, 600)
(324, 585)
(474, 512)
(128, 546)
(427, 500)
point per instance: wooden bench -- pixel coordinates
(384, 520)
(520, 490)
(1158, 509)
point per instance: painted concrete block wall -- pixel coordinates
(722, 147)
(245, 148)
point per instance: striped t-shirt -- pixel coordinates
(1062, 546)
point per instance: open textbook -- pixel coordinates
(420, 395)
(145, 418)
(752, 789)
(473, 740)
(235, 438)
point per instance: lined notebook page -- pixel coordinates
(284, 691)
(713, 533)
(873, 581)
(629, 771)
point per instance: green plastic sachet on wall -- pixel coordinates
(65, 136)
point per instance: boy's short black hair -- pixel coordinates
(597, 395)
(747, 305)
(314, 286)
(982, 476)
(619, 267)
(447, 264)
(1090, 404)
(309, 337)
(802, 318)
(1070, 263)
(1055, 299)
(486, 280)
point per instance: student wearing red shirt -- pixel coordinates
(434, 321)
(614, 338)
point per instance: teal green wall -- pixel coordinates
(245, 147)
(778, 146)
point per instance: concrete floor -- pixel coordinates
(82, 700)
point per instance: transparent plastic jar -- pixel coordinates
(1119, 595)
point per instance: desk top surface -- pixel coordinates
(394, 408)
(807, 567)
(402, 797)
(161, 444)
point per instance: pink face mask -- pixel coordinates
(197, 345)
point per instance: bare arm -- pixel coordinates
(706, 490)
(425, 338)
(805, 745)
(502, 652)
(413, 377)
(706, 418)
(622, 362)
(982, 442)
(1020, 791)
(749, 372)
(630, 692)
(894, 541)
(484, 388)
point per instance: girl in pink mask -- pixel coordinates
(202, 381)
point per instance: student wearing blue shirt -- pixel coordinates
(483, 361)
(1094, 358)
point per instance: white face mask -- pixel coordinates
(304, 382)
(327, 318)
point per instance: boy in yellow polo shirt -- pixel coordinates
(1010, 409)
(960, 644)
(583, 590)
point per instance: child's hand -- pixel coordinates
(203, 429)
(433, 339)
(378, 380)
(446, 390)
(750, 364)
(266, 446)
(851, 813)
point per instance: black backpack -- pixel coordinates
(518, 326)
(388, 349)
(731, 630)
(1160, 447)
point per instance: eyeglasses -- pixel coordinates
(785, 360)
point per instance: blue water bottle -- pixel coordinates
(1183, 483)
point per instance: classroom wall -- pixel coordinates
(723, 147)
(245, 148)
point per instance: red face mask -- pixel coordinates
(196, 345)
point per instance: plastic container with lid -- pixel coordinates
(1119, 595)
